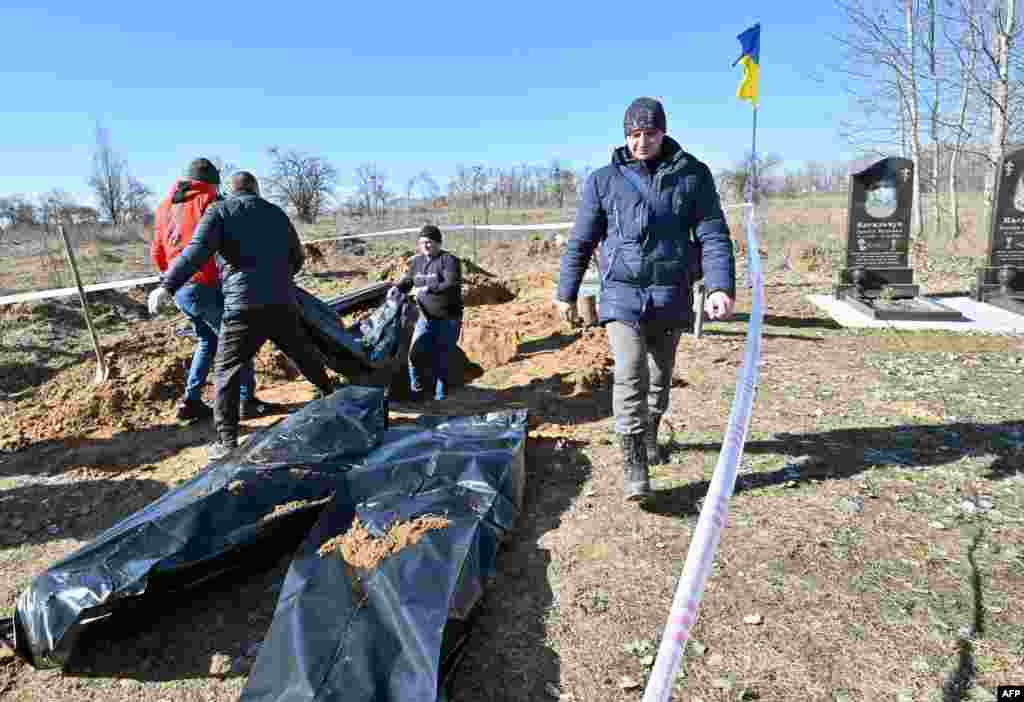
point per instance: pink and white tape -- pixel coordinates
(715, 511)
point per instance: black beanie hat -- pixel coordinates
(202, 169)
(431, 232)
(644, 113)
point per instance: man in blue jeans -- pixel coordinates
(200, 299)
(435, 278)
(204, 306)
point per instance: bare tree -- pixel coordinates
(226, 170)
(428, 187)
(735, 180)
(303, 182)
(371, 184)
(967, 56)
(137, 197)
(56, 206)
(109, 178)
(1004, 24)
(910, 93)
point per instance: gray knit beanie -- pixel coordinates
(644, 113)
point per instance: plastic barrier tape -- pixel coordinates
(152, 280)
(715, 511)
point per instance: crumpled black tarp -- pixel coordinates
(395, 632)
(258, 502)
(370, 345)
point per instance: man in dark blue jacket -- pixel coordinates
(258, 252)
(652, 214)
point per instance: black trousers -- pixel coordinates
(242, 333)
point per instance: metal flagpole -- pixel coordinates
(753, 161)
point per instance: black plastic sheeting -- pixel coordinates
(397, 631)
(369, 345)
(220, 520)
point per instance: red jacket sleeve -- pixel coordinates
(156, 249)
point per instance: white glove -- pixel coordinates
(567, 311)
(157, 298)
(719, 305)
(419, 291)
(394, 293)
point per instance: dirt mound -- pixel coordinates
(471, 268)
(588, 361)
(360, 549)
(271, 363)
(537, 283)
(489, 345)
(394, 267)
(147, 369)
(480, 290)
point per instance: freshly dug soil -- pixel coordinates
(489, 345)
(295, 505)
(360, 549)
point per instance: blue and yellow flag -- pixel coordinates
(750, 41)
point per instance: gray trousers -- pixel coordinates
(644, 360)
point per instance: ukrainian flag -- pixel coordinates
(750, 40)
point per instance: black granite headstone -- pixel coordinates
(1001, 282)
(878, 227)
(878, 279)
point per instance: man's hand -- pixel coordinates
(719, 305)
(567, 311)
(419, 291)
(156, 299)
(394, 293)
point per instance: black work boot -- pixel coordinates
(654, 455)
(189, 410)
(255, 407)
(636, 482)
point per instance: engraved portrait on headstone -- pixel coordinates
(880, 200)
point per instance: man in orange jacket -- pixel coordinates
(201, 299)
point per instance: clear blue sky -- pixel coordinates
(410, 86)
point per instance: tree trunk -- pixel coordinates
(936, 227)
(966, 73)
(1000, 95)
(917, 224)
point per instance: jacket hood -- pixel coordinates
(186, 189)
(671, 153)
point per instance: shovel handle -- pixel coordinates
(101, 369)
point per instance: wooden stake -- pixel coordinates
(101, 368)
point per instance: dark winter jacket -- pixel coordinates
(442, 277)
(258, 252)
(642, 229)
